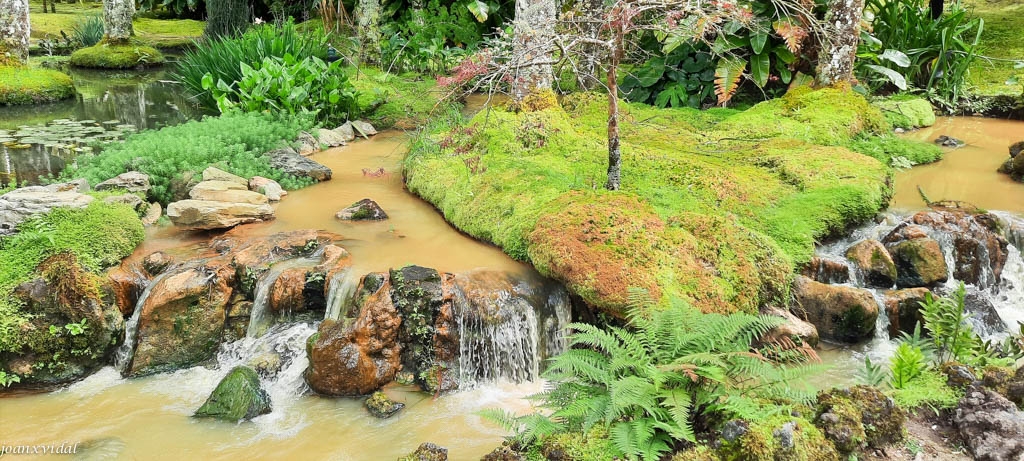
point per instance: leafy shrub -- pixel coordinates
(222, 57)
(684, 77)
(289, 87)
(233, 142)
(88, 31)
(916, 50)
(649, 385)
(926, 389)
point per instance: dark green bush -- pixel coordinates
(233, 142)
(226, 18)
(222, 57)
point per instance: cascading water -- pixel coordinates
(126, 351)
(341, 288)
(261, 318)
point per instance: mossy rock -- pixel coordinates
(28, 85)
(907, 112)
(117, 56)
(238, 397)
(777, 438)
(859, 417)
(594, 445)
(381, 406)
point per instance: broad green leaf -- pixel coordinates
(650, 73)
(757, 41)
(896, 57)
(895, 77)
(479, 10)
(759, 69)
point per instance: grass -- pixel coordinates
(108, 56)
(158, 33)
(30, 85)
(1001, 39)
(717, 207)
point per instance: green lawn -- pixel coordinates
(160, 33)
(1002, 38)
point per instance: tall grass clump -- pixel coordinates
(939, 52)
(223, 57)
(88, 31)
(234, 142)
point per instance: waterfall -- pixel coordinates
(126, 351)
(261, 318)
(508, 339)
(341, 287)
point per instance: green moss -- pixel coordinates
(777, 438)
(906, 112)
(1001, 39)
(110, 56)
(927, 390)
(158, 33)
(592, 446)
(237, 397)
(28, 85)
(888, 149)
(706, 215)
(405, 102)
(99, 236)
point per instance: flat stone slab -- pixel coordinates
(216, 193)
(20, 204)
(205, 214)
(216, 174)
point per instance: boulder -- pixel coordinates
(839, 312)
(357, 358)
(307, 143)
(826, 270)
(427, 452)
(379, 405)
(794, 330)
(268, 187)
(237, 397)
(215, 185)
(363, 128)
(904, 309)
(130, 200)
(1015, 389)
(979, 249)
(858, 418)
(202, 214)
(330, 138)
(1014, 167)
(182, 319)
(156, 262)
(363, 210)
(288, 161)
(215, 193)
(153, 214)
(919, 263)
(1016, 148)
(948, 141)
(125, 283)
(991, 426)
(132, 181)
(20, 204)
(216, 174)
(873, 262)
(346, 132)
(959, 376)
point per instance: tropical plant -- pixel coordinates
(907, 363)
(684, 77)
(437, 36)
(287, 87)
(88, 31)
(648, 385)
(223, 57)
(938, 51)
(946, 322)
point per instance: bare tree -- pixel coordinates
(117, 20)
(14, 32)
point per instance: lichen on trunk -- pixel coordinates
(117, 21)
(368, 30)
(534, 28)
(842, 31)
(14, 32)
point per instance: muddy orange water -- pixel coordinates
(967, 173)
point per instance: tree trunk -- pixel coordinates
(587, 72)
(14, 30)
(614, 151)
(417, 11)
(534, 28)
(368, 30)
(117, 20)
(842, 33)
(226, 17)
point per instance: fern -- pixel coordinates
(907, 363)
(946, 321)
(727, 78)
(648, 384)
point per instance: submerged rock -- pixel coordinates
(290, 162)
(839, 312)
(427, 452)
(919, 263)
(827, 271)
(132, 181)
(204, 215)
(948, 141)
(991, 426)
(874, 262)
(237, 397)
(363, 210)
(23, 203)
(379, 405)
(1014, 167)
(1016, 148)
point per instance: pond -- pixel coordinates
(38, 140)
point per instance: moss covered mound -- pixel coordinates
(907, 112)
(716, 207)
(405, 102)
(28, 85)
(237, 397)
(111, 56)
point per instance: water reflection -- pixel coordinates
(141, 100)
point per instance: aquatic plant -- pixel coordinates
(234, 142)
(222, 57)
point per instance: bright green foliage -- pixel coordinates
(432, 36)
(405, 102)
(28, 85)
(946, 322)
(222, 57)
(906, 112)
(88, 30)
(288, 87)
(109, 56)
(906, 364)
(927, 389)
(761, 442)
(647, 385)
(896, 151)
(936, 54)
(684, 77)
(235, 143)
(1000, 39)
(99, 235)
(701, 189)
